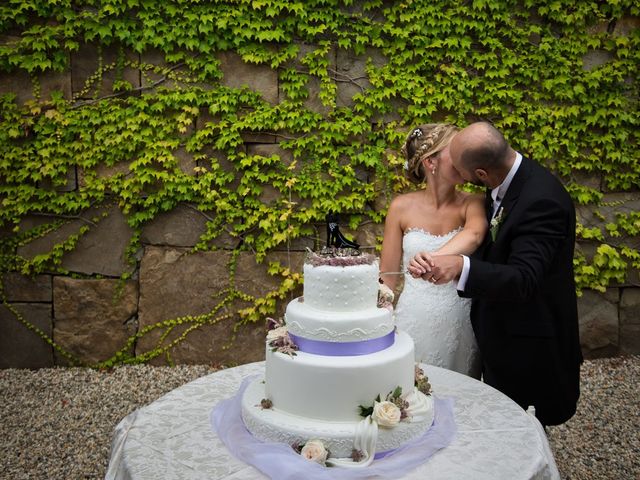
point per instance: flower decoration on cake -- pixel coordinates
(278, 337)
(339, 257)
(387, 413)
(273, 324)
(357, 455)
(422, 381)
(276, 333)
(313, 450)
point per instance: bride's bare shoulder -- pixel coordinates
(402, 206)
(472, 198)
(407, 199)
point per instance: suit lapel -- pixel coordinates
(488, 204)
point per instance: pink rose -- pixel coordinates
(314, 450)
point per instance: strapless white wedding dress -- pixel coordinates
(434, 315)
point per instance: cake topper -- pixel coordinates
(335, 237)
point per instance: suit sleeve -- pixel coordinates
(534, 243)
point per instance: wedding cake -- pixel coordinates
(339, 377)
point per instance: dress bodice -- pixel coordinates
(417, 240)
(435, 316)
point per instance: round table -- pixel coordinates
(172, 437)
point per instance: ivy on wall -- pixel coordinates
(523, 65)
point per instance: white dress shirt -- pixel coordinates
(497, 194)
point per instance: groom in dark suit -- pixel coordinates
(521, 281)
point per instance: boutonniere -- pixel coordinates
(496, 222)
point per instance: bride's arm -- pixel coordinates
(472, 234)
(391, 256)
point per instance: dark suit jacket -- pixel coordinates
(524, 311)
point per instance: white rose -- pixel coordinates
(276, 333)
(387, 414)
(314, 450)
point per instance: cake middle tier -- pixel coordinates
(332, 388)
(306, 321)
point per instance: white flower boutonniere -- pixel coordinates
(496, 222)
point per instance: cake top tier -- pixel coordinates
(339, 257)
(337, 281)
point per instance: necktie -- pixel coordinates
(496, 205)
(488, 205)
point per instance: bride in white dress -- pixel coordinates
(439, 220)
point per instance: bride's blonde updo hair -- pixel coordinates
(424, 141)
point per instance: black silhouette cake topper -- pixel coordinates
(335, 237)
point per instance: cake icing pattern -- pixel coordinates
(272, 425)
(359, 368)
(313, 323)
(341, 289)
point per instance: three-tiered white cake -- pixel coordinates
(349, 358)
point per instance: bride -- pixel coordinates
(437, 219)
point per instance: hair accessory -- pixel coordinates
(425, 140)
(415, 134)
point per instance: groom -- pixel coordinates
(523, 311)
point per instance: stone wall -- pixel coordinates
(90, 313)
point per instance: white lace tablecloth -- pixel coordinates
(172, 437)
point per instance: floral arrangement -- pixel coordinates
(278, 337)
(387, 413)
(394, 408)
(313, 450)
(339, 257)
(316, 451)
(496, 222)
(422, 381)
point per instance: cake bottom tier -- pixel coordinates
(272, 425)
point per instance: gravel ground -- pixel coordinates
(57, 423)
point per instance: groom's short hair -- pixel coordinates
(487, 149)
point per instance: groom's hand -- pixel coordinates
(445, 269)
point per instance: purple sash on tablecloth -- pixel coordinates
(278, 460)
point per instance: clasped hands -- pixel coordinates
(435, 268)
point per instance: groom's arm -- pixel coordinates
(535, 241)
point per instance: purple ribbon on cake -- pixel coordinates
(343, 349)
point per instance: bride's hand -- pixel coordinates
(421, 264)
